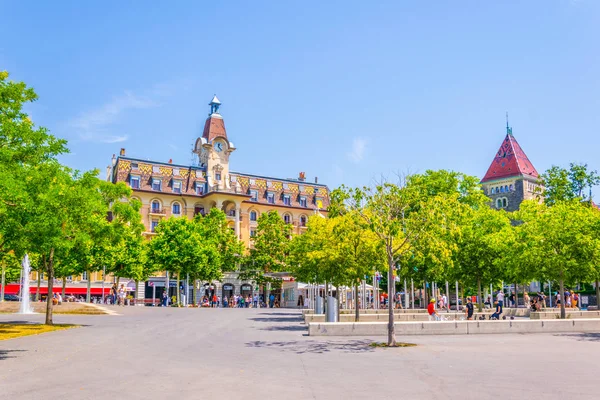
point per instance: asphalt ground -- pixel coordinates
(169, 353)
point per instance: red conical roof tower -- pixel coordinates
(510, 161)
(214, 126)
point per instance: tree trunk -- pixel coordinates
(563, 314)
(325, 300)
(178, 298)
(64, 287)
(391, 286)
(479, 299)
(88, 291)
(50, 272)
(597, 295)
(356, 310)
(3, 282)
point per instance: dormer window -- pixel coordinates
(271, 198)
(134, 182)
(302, 201)
(199, 189)
(287, 200)
(254, 195)
(156, 184)
(177, 187)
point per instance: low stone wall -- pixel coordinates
(371, 311)
(550, 314)
(453, 327)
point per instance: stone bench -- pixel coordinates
(569, 314)
(453, 327)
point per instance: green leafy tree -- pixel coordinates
(269, 249)
(401, 216)
(563, 241)
(561, 184)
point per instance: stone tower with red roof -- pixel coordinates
(511, 178)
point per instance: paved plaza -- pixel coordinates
(160, 353)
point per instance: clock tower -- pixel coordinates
(213, 149)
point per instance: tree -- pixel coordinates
(269, 248)
(563, 242)
(400, 216)
(479, 258)
(562, 184)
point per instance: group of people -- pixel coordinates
(571, 299)
(234, 301)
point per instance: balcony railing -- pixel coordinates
(158, 211)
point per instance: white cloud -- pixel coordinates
(94, 125)
(114, 139)
(359, 146)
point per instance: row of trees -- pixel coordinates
(438, 226)
(69, 222)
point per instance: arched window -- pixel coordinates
(499, 203)
(512, 188)
(492, 191)
(155, 206)
(287, 219)
(501, 189)
(506, 188)
(252, 215)
(303, 220)
(176, 209)
(504, 202)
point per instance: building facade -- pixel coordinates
(511, 178)
(169, 190)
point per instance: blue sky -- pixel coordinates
(347, 91)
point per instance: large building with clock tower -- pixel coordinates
(167, 189)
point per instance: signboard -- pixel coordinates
(585, 300)
(228, 286)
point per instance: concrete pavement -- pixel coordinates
(154, 353)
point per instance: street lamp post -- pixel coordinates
(103, 278)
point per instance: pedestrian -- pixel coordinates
(500, 299)
(488, 302)
(271, 300)
(214, 300)
(498, 312)
(255, 300)
(575, 300)
(469, 309)
(526, 299)
(511, 299)
(122, 295)
(165, 299)
(445, 301)
(433, 315)
(557, 299)
(225, 302)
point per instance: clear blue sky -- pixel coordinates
(344, 90)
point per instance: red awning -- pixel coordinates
(14, 289)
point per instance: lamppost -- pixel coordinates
(103, 278)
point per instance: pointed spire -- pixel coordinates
(508, 128)
(214, 105)
(510, 161)
(214, 125)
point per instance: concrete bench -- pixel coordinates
(453, 327)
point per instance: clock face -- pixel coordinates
(219, 146)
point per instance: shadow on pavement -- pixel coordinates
(286, 328)
(277, 319)
(274, 313)
(586, 337)
(316, 347)
(4, 354)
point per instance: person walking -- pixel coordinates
(255, 300)
(271, 300)
(469, 309)
(122, 295)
